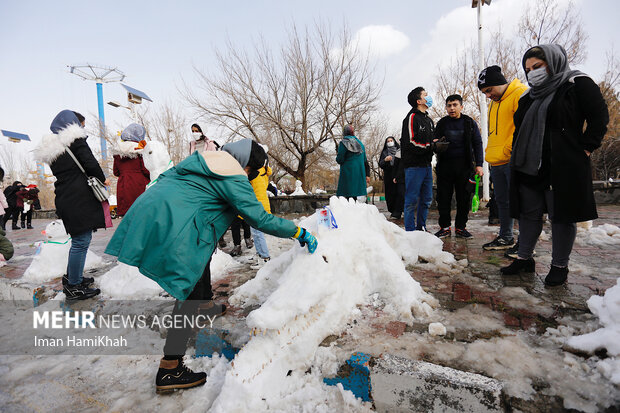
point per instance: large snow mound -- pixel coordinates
(305, 297)
(601, 236)
(607, 309)
(126, 282)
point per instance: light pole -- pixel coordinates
(100, 75)
(484, 126)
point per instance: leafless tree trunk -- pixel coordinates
(294, 99)
(606, 159)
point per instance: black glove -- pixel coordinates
(440, 146)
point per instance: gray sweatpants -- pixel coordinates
(533, 204)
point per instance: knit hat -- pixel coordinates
(491, 76)
(133, 133)
(348, 130)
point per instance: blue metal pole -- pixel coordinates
(104, 151)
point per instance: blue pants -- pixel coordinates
(77, 256)
(418, 193)
(260, 243)
(501, 188)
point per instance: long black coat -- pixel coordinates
(76, 204)
(569, 172)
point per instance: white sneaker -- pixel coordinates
(260, 264)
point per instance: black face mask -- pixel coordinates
(253, 174)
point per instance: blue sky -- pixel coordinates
(156, 43)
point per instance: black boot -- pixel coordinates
(236, 251)
(556, 276)
(23, 225)
(86, 281)
(29, 226)
(15, 226)
(518, 266)
(79, 292)
(173, 374)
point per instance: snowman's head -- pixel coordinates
(55, 230)
(155, 157)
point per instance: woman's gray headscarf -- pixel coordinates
(527, 148)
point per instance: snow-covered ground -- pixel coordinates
(303, 298)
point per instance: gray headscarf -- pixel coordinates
(134, 133)
(527, 147)
(240, 150)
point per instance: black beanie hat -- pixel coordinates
(491, 76)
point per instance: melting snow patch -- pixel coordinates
(436, 329)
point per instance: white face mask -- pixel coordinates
(390, 144)
(538, 76)
(196, 135)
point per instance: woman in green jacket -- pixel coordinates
(352, 160)
(172, 227)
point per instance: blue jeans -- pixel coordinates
(77, 256)
(418, 193)
(260, 243)
(501, 189)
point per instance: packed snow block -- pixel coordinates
(209, 342)
(355, 377)
(402, 385)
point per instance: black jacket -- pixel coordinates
(416, 138)
(565, 166)
(10, 192)
(75, 203)
(473, 143)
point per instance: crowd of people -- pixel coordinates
(538, 151)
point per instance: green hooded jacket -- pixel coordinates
(352, 160)
(6, 248)
(171, 230)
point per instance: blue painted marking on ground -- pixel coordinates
(358, 381)
(210, 341)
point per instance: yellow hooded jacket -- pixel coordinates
(501, 124)
(260, 184)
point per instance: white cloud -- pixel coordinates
(380, 41)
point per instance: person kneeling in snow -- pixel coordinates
(172, 227)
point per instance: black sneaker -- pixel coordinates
(86, 281)
(15, 227)
(29, 226)
(499, 244)
(444, 232)
(79, 292)
(462, 233)
(557, 276)
(518, 266)
(236, 251)
(513, 251)
(173, 374)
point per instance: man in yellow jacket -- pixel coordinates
(259, 184)
(504, 101)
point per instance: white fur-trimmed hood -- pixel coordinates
(126, 149)
(55, 144)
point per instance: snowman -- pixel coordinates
(52, 255)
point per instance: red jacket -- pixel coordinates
(132, 180)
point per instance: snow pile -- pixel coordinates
(601, 236)
(437, 329)
(126, 282)
(304, 298)
(52, 256)
(298, 190)
(607, 309)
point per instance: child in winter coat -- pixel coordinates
(175, 225)
(259, 184)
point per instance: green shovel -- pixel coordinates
(475, 202)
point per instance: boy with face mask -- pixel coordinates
(416, 143)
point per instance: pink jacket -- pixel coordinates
(202, 145)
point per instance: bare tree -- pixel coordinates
(294, 99)
(606, 159)
(549, 22)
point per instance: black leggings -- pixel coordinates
(177, 338)
(235, 228)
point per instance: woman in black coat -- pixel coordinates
(76, 205)
(12, 213)
(550, 160)
(386, 162)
